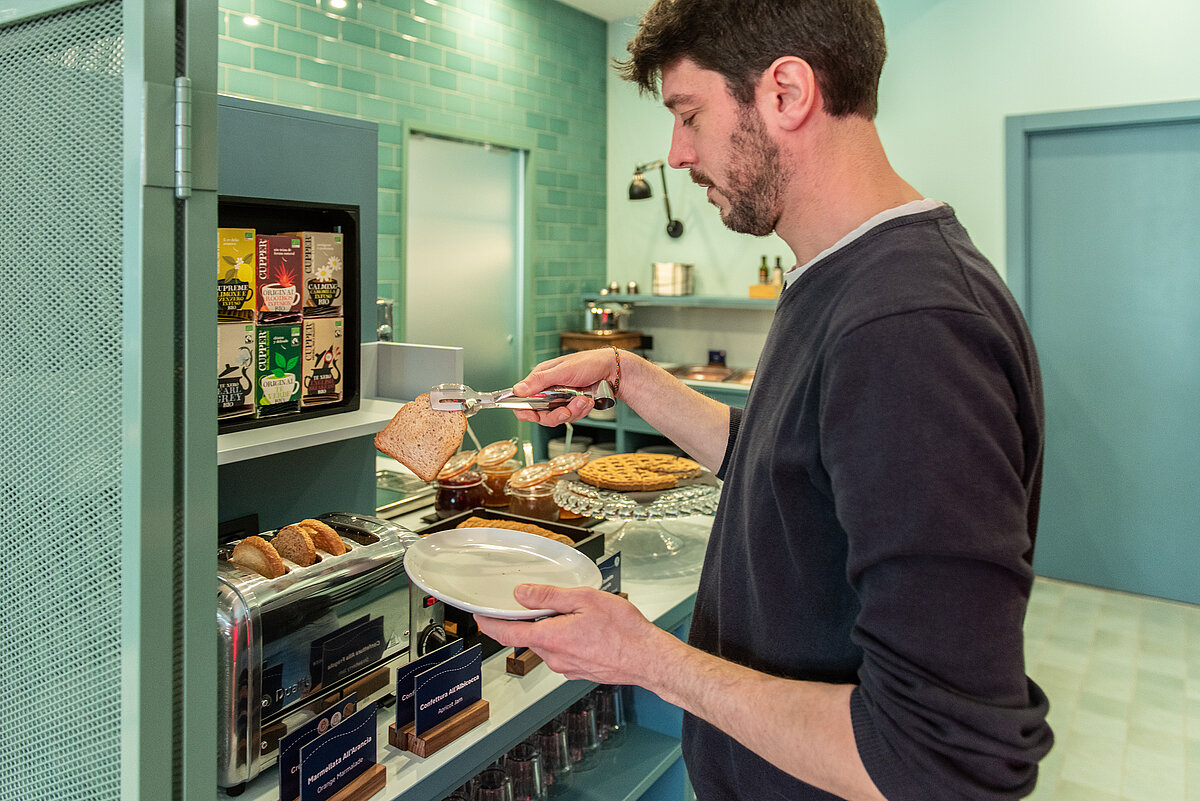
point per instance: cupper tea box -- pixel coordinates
(324, 272)
(235, 369)
(278, 263)
(277, 357)
(235, 274)
(324, 344)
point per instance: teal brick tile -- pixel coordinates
(525, 100)
(426, 97)
(295, 93)
(472, 45)
(458, 104)
(274, 62)
(339, 51)
(412, 114)
(377, 62)
(394, 44)
(427, 11)
(338, 101)
(262, 33)
(397, 5)
(443, 37)
(358, 81)
(410, 26)
(443, 79)
(487, 111)
(391, 134)
(279, 11)
(292, 41)
(441, 119)
(456, 20)
(557, 197)
(539, 85)
(547, 141)
(499, 13)
(316, 22)
(391, 178)
(250, 84)
(457, 62)
(359, 33)
(407, 70)
(233, 53)
(486, 70)
(471, 127)
(427, 53)
(512, 77)
(514, 39)
(319, 72)
(377, 16)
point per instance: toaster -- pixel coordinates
(292, 646)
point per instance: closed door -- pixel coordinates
(1114, 304)
(463, 262)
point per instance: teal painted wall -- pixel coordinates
(511, 71)
(955, 71)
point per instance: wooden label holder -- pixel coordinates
(364, 785)
(520, 665)
(441, 735)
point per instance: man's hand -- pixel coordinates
(596, 636)
(581, 370)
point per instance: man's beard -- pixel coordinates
(755, 179)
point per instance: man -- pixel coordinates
(857, 631)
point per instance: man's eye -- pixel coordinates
(687, 121)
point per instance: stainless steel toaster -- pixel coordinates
(292, 646)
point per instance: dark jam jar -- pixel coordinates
(458, 493)
(536, 501)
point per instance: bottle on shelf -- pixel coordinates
(762, 271)
(777, 274)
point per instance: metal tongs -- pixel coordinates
(458, 397)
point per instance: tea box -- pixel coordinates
(235, 369)
(277, 364)
(235, 274)
(324, 273)
(277, 267)
(324, 344)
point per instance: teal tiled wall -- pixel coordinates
(511, 71)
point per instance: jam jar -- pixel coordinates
(534, 501)
(495, 479)
(458, 493)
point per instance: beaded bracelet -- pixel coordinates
(616, 384)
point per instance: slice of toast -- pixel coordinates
(256, 554)
(294, 544)
(421, 438)
(323, 537)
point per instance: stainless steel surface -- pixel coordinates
(272, 632)
(606, 316)
(672, 278)
(459, 397)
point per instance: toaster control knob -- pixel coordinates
(432, 638)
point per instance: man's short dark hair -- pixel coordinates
(842, 40)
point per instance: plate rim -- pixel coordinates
(527, 538)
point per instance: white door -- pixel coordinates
(464, 262)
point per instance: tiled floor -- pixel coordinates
(1123, 676)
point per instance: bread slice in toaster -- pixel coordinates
(323, 537)
(294, 544)
(256, 554)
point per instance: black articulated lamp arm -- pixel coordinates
(639, 190)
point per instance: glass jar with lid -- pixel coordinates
(495, 481)
(531, 492)
(458, 487)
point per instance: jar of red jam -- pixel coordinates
(534, 501)
(495, 480)
(458, 493)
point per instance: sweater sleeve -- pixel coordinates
(928, 454)
(735, 422)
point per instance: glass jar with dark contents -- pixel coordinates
(458, 493)
(535, 501)
(495, 479)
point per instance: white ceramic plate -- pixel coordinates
(477, 569)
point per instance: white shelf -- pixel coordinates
(369, 419)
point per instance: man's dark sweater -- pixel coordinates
(878, 520)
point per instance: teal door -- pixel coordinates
(1106, 257)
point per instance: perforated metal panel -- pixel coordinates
(61, 401)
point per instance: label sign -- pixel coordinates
(336, 758)
(346, 654)
(290, 743)
(448, 688)
(610, 573)
(406, 679)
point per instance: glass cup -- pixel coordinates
(524, 767)
(551, 740)
(610, 715)
(583, 737)
(493, 784)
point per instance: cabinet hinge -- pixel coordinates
(183, 137)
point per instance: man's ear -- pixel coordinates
(789, 91)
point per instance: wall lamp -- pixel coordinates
(640, 190)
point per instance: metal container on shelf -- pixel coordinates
(672, 278)
(605, 317)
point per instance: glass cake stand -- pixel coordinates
(648, 549)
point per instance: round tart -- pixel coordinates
(638, 472)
